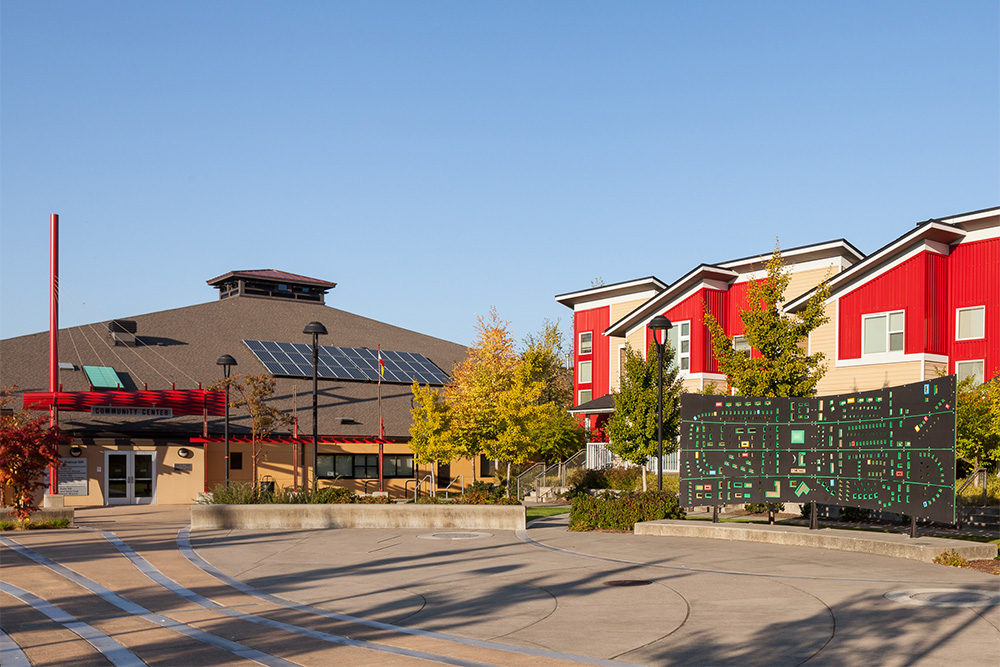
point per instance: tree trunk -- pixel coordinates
(508, 479)
(643, 477)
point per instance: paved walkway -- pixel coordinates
(132, 587)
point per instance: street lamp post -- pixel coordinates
(316, 329)
(656, 325)
(227, 362)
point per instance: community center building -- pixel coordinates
(926, 303)
(133, 394)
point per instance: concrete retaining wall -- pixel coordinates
(293, 517)
(880, 544)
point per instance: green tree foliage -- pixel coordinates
(782, 366)
(251, 393)
(27, 448)
(633, 428)
(978, 421)
(502, 404)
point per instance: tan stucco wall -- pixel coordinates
(173, 487)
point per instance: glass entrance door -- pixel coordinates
(130, 477)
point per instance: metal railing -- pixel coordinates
(600, 457)
(416, 487)
(979, 474)
(455, 479)
(526, 478)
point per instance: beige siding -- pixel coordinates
(852, 379)
(618, 311)
(800, 283)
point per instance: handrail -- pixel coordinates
(977, 473)
(461, 477)
(416, 489)
(367, 482)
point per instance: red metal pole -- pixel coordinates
(53, 335)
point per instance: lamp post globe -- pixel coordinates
(316, 329)
(227, 362)
(656, 325)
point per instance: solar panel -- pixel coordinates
(102, 377)
(345, 363)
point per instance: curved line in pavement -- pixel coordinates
(109, 647)
(523, 536)
(11, 654)
(184, 545)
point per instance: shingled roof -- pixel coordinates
(180, 347)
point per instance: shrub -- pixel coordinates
(472, 497)
(331, 495)
(951, 558)
(762, 508)
(854, 513)
(973, 494)
(28, 524)
(622, 512)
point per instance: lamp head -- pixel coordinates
(658, 324)
(315, 328)
(226, 360)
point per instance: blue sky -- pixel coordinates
(437, 159)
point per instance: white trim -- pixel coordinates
(639, 297)
(969, 217)
(644, 322)
(579, 396)
(705, 376)
(889, 352)
(811, 265)
(958, 310)
(579, 372)
(984, 234)
(896, 359)
(579, 343)
(621, 347)
(971, 361)
(872, 266)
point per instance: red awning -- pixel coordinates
(180, 401)
(289, 440)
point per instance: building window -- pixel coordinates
(584, 397)
(679, 337)
(584, 372)
(363, 466)
(236, 460)
(486, 468)
(586, 342)
(882, 332)
(975, 369)
(970, 323)
(621, 363)
(740, 344)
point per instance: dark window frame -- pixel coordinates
(368, 467)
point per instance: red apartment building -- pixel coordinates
(927, 302)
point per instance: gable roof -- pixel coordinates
(661, 301)
(624, 288)
(934, 231)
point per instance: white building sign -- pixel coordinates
(73, 477)
(142, 413)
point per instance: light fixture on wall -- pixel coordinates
(76, 451)
(185, 453)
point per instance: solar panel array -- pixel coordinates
(345, 363)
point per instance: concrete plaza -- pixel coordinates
(134, 586)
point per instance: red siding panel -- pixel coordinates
(936, 304)
(900, 288)
(595, 320)
(974, 276)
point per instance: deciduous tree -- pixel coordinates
(27, 448)
(977, 440)
(633, 428)
(251, 393)
(780, 364)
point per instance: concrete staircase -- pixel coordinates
(981, 517)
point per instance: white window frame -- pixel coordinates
(621, 364)
(590, 371)
(580, 342)
(958, 312)
(679, 357)
(982, 366)
(579, 396)
(748, 351)
(889, 352)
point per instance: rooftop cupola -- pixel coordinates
(271, 284)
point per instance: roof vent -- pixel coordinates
(122, 332)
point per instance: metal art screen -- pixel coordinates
(891, 449)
